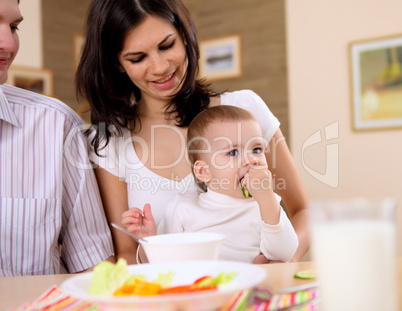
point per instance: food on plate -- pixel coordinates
(110, 279)
(107, 277)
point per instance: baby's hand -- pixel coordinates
(258, 181)
(139, 222)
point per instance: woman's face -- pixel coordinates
(154, 57)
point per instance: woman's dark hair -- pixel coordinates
(109, 92)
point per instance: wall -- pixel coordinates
(368, 163)
(62, 22)
(30, 33)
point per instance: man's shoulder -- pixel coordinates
(32, 100)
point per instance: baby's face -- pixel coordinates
(233, 148)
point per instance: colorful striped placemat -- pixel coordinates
(257, 299)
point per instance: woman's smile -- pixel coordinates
(165, 79)
(166, 82)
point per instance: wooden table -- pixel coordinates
(14, 291)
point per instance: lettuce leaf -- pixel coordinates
(108, 277)
(164, 279)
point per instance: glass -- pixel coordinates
(354, 252)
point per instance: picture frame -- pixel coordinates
(39, 80)
(220, 58)
(376, 83)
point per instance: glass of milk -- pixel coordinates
(354, 244)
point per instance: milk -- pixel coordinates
(355, 261)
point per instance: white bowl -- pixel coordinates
(183, 246)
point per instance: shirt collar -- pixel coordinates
(6, 113)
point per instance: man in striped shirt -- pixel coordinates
(51, 215)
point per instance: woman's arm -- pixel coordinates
(289, 186)
(115, 201)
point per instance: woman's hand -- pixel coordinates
(140, 222)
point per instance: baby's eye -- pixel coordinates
(14, 28)
(257, 150)
(233, 153)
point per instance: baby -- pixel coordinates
(226, 150)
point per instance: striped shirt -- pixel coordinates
(51, 216)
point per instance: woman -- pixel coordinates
(138, 72)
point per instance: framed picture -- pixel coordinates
(33, 79)
(220, 58)
(376, 83)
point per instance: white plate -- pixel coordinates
(184, 272)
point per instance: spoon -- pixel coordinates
(136, 237)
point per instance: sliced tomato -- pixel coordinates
(197, 281)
